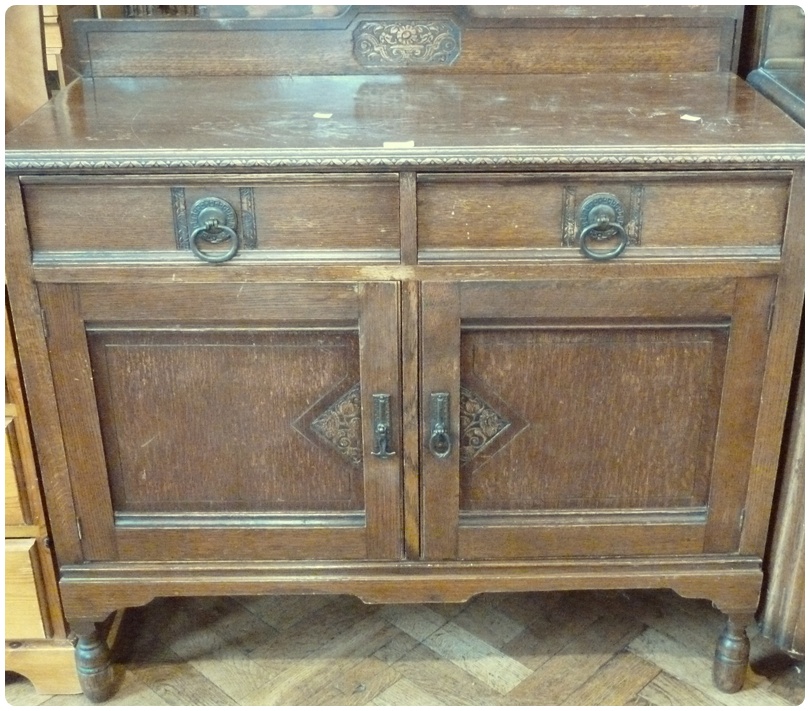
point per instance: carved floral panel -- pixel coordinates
(407, 43)
(479, 425)
(339, 426)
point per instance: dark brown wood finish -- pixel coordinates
(476, 122)
(33, 352)
(354, 218)
(739, 412)
(785, 320)
(506, 40)
(410, 417)
(518, 214)
(78, 415)
(177, 441)
(733, 580)
(180, 406)
(440, 331)
(209, 429)
(637, 370)
(380, 375)
(653, 398)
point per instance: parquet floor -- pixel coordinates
(576, 648)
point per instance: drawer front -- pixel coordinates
(525, 215)
(286, 218)
(23, 617)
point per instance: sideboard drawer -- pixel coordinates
(281, 218)
(522, 215)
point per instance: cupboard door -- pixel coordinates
(589, 418)
(230, 421)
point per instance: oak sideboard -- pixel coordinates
(411, 304)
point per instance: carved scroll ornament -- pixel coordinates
(479, 424)
(406, 43)
(338, 426)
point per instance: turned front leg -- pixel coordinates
(93, 664)
(731, 657)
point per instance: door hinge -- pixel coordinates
(44, 323)
(79, 528)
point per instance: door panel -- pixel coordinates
(607, 421)
(259, 420)
(215, 428)
(616, 418)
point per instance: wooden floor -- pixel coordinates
(581, 648)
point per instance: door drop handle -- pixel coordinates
(439, 443)
(382, 426)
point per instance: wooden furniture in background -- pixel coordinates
(386, 304)
(36, 636)
(25, 78)
(37, 644)
(59, 47)
(52, 32)
(777, 56)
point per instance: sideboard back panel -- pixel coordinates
(444, 39)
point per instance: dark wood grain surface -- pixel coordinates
(383, 122)
(520, 211)
(342, 217)
(184, 432)
(436, 39)
(653, 400)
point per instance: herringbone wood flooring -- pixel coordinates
(575, 648)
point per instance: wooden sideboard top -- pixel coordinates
(404, 121)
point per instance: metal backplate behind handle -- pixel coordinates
(602, 218)
(213, 220)
(382, 426)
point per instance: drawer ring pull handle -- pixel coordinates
(589, 233)
(603, 214)
(439, 442)
(214, 257)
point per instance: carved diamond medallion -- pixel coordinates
(479, 425)
(406, 43)
(339, 426)
(336, 423)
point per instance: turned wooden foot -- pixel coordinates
(93, 666)
(731, 657)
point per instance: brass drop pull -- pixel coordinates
(439, 443)
(382, 426)
(603, 215)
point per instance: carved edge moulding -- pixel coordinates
(401, 158)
